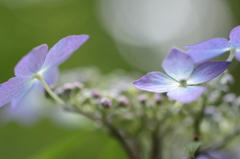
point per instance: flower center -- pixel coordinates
(183, 83)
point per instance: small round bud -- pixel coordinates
(123, 101)
(227, 79)
(65, 91)
(142, 98)
(237, 101)
(77, 85)
(214, 95)
(68, 87)
(225, 88)
(96, 94)
(158, 98)
(106, 102)
(229, 98)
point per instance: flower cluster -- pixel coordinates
(39, 65)
(182, 79)
(132, 116)
(184, 73)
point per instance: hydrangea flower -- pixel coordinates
(212, 48)
(182, 78)
(40, 64)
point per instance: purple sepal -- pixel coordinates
(178, 64)
(13, 88)
(234, 37)
(156, 82)
(212, 44)
(32, 62)
(207, 71)
(186, 94)
(18, 100)
(200, 56)
(63, 49)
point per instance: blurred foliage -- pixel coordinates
(47, 21)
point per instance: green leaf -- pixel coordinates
(192, 147)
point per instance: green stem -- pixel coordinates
(231, 55)
(50, 92)
(115, 134)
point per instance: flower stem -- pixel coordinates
(50, 92)
(231, 55)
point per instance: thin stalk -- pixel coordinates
(50, 92)
(231, 55)
(156, 152)
(115, 134)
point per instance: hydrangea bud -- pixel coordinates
(229, 98)
(96, 94)
(65, 91)
(123, 101)
(106, 102)
(142, 98)
(77, 85)
(158, 98)
(227, 79)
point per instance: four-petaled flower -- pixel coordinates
(39, 63)
(212, 48)
(182, 78)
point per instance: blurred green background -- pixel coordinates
(25, 24)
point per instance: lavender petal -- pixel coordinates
(235, 37)
(63, 49)
(13, 89)
(18, 101)
(207, 71)
(156, 82)
(32, 62)
(200, 56)
(212, 44)
(178, 64)
(186, 94)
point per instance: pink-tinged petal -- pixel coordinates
(237, 54)
(186, 94)
(63, 49)
(32, 62)
(235, 37)
(156, 82)
(207, 71)
(178, 64)
(200, 56)
(13, 89)
(212, 44)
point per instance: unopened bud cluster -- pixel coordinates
(135, 114)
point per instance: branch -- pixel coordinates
(115, 133)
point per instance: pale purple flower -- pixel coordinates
(38, 61)
(182, 79)
(212, 48)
